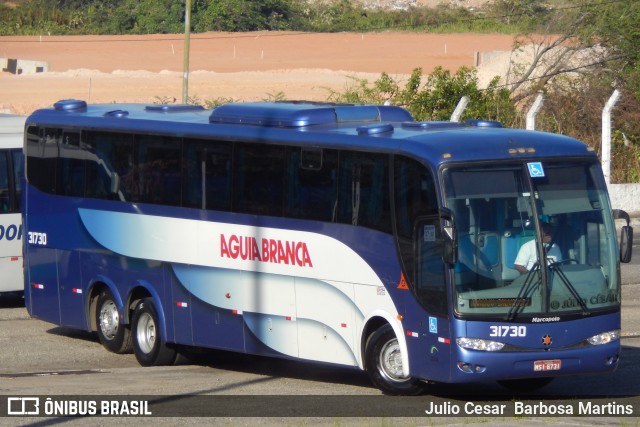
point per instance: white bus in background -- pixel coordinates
(11, 173)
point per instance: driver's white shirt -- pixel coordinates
(528, 255)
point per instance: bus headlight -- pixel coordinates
(605, 337)
(479, 344)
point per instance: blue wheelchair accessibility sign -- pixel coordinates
(433, 325)
(535, 170)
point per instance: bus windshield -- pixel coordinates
(532, 240)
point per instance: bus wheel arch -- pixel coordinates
(136, 295)
(113, 331)
(94, 291)
(92, 305)
(369, 329)
(383, 362)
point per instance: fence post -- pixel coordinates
(462, 104)
(187, 48)
(533, 112)
(606, 136)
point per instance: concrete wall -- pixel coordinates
(23, 66)
(626, 197)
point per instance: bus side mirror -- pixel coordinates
(626, 235)
(449, 237)
(626, 243)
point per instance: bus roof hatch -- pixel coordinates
(301, 113)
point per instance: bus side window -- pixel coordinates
(18, 173)
(363, 195)
(258, 179)
(42, 157)
(109, 157)
(207, 174)
(415, 196)
(430, 285)
(157, 170)
(311, 183)
(4, 183)
(71, 165)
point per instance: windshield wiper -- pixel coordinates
(563, 278)
(527, 287)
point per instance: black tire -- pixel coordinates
(525, 384)
(148, 345)
(114, 335)
(384, 366)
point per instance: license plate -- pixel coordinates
(546, 365)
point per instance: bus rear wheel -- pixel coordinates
(147, 340)
(114, 335)
(383, 363)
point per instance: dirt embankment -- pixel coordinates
(239, 66)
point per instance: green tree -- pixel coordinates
(242, 15)
(527, 13)
(598, 49)
(615, 27)
(437, 97)
(337, 15)
(156, 16)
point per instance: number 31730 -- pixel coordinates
(36, 238)
(508, 331)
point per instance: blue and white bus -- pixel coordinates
(11, 173)
(343, 234)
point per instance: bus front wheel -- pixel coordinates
(383, 363)
(114, 335)
(147, 341)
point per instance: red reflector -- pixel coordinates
(287, 318)
(14, 258)
(181, 304)
(76, 290)
(344, 325)
(38, 285)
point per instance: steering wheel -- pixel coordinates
(564, 261)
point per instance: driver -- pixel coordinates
(528, 254)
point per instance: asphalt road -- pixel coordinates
(631, 271)
(41, 359)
